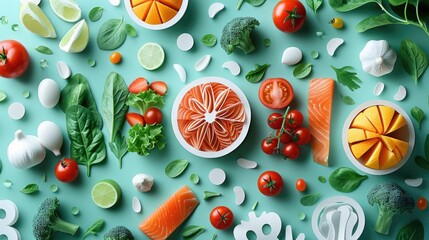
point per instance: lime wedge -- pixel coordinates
(67, 10)
(151, 56)
(36, 21)
(106, 193)
(76, 39)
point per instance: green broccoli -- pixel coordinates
(47, 221)
(236, 34)
(119, 233)
(391, 199)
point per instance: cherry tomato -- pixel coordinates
(14, 59)
(66, 170)
(422, 203)
(302, 136)
(115, 57)
(301, 185)
(291, 151)
(275, 120)
(153, 116)
(221, 218)
(276, 93)
(337, 22)
(294, 119)
(289, 15)
(286, 136)
(269, 145)
(270, 183)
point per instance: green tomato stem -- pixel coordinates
(282, 129)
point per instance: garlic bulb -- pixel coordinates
(143, 182)
(377, 58)
(25, 151)
(50, 136)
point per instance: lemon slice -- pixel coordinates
(151, 56)
(67, 10)
(35, 20)
(106, 193)
(76, 39)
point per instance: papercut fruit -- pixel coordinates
(156, 11)
(398, 121)
(374, 117)
(372, 157)
(386, 113)
(361, 121)
(360, 148)
(356, 135)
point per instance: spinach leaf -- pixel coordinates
(375, 21)
(345, 179)
(254, 3)
(30, 188)
(257, 74)
(44, 50)
(119, 148)
(142, 139)
(418, 115)
(348, 5)
(112, 34)
(348, 100)
(314, 4)
(310, 200)
(114, 107)
(413, 59)
(95, 14)
(208, 195)
(95, 228)
(131, 31)
(412, 231)
(176, 168)
(209, 40)
(86, 139)
(302, 70)
(346, 77)
(192, 232)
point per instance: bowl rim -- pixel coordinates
(411, 137)
(244, 130)
(161, 26)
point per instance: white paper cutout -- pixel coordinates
(11, 216)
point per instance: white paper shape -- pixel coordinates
(233, 67)
(63, 70)
(378, 89)
(11, 216)
(400, 94)
(185, 42)
(291, 56)
(201, 64)
(217, 176)
(16, 110)
(180, 71)
(289, 235)
(255, 224)
(240, 195)
(247, 164)
(136, 205)
(333, 45)
(215, 8)
(416, 182)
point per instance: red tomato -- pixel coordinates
(275, 120)
(291, 151)
(294, 118)
(422, 203)
(66, 170)
(115, 57)
(153, 116)
(221, 217)
(270, 183)
(301, 185)
(289, 15)
(135, 118)
(14, 59)
(269, 145)
(275, 93)
(286, 136)
(302, 136)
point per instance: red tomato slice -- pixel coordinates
(276, 93)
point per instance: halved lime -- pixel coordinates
(106, 193)
(76, 39)
(151, 56)
(67, 10)
(35, 20)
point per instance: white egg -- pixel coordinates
(49, 93)
(291, 56)
(50, 136)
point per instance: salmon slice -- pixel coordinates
(320, 96)
(161, 223)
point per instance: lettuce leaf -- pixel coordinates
(144, 100)
(142, 139)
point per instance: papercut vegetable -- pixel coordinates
(119, 233)
(289, 15)
(422, 203)
(291, 56)
(143, 182)
(337, 22)
(10, 216)
(25, 151)
(256, 225)
(48, 93)
(96, 227)
(400, 94)
(236, 34)
(270, 183)
(14, 59)
(276, 93)
(50, 136)
(202, 63)
(221, 218)
(345, 179)
(66, 170)
(377, 58)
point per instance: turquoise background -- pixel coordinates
(197, 23)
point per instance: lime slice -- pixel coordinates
(151, 56)
(36, 21)
(67, 10)
(76, 39)
(106, 193)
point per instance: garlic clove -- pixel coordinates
(50, 136)
(201, 64)
(233, 67)
(180, 71)
(215, 8)
(291, 56)
(333, 45)
(400, 94)
(143, 182)
(136, 205)
(378, 89)
(63, 70)
(25, 151)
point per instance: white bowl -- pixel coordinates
(411, 137)
(244, 130)
(161, 26)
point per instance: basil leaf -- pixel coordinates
(418, 115)
(119, 148)
(176, 167)
(44, 50)
(131, 31)
(257, 74)
(414, 60)
(421, 162)
(208, 195)
(112, 34)
(302, 70)
(195, 179)
(412, 231)
(348, 100)
(321, 179)
(30, 188)
(95, 14)
(346, 77)
(375, 21)
(142, 139)
(348, 5)
(314, 4)
(209, 40)
(192, 232)
(95, 228)
(310, 200)
(345, 179)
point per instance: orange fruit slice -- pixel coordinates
(142, 10)
(165, 12)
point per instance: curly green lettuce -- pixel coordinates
(144, 100)
(142, 139)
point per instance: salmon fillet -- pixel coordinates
(320, 96)
(161, 223)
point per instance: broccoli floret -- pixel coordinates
(236, 34)
(47, 221)
(391, 199)
(119, 233)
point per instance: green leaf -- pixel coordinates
(314, 4)
(4, 20)
(192, 231)
(254, 205)
(53, 188)
(44, 50)
(346, 77)
(95, 228)
(30, 188)
(348, 100)
(375, 21)
(119, 148)
(414, 60)
(112, 34)
(142, 139)
(418, 115)
(348, 5)
(91, 62)
(412, 231)
(2, 96)
(131, 31)
(214, 236)
(397, 2)
(257, 74)
(208, 195)
(267, 42)
(421, 162)
(310, 200)
(209, 40)
(302, 70)
(254, 3)
(195, 179)
(176, 168)
(314, 54)
(345, 179)
(95, 14)
(321, 179)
